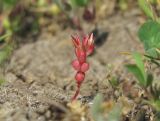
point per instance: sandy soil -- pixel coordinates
(40, 79)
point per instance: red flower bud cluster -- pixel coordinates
(82, 50)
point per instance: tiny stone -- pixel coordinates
(41, 110)
(48, 114)
(116, 93)
(41, 118)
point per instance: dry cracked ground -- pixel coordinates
(39, 77)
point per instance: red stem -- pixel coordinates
(77, 92)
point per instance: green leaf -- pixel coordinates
(149, 79)
(96, 108)
(156, 41)
(80, 3)
(153, 1)
(123, 4)
(4, 36)
(149, 34)
(115, 114)
(137, 73)
(114, 82)
(140, 64)
(41, 3)
(155, 104)
(1, 81)
(145, 7)
(9, 3)
(6, 23)
(4, 53)
(152, 52)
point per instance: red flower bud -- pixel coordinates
(80, 77)
(84, 67)
(76, 65)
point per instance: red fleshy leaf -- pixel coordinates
(90, 40)
(84, 67)
(76, 41)
(80, 77)
(76, 65)
(81, 55)
(85, 42)
(90, 50)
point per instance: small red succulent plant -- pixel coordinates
(82, 50)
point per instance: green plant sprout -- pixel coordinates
(149, 35)
(123, 4)
(146, 7)
(6, 49)
(138, 69)
(98, 114)
(79, 3)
